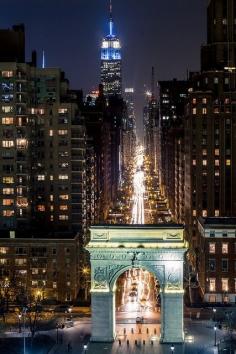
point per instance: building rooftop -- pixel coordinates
(218, 221)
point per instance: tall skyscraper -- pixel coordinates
(111, 61)
(211, 124)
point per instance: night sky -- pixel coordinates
(164, 33)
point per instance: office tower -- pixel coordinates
(150, 122)
(111, 62)
(43, 152)
(128, 134)
(210, 129)
(172, 100)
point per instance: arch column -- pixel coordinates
(103, 316)
(172, 317)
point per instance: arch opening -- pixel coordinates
(138, 303)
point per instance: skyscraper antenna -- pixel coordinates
(110, 9)
(43, 60)
(111, 19)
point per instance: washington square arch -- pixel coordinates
(158, 249)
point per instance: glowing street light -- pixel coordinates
(85, 348)
(172, 348)
(215, 328)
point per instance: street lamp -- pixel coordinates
(85, 348)
(19, 317)
(214, 311)
(57, 326)
(215, 328)
(172, 348)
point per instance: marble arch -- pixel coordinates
(159, 249)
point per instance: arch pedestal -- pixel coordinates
(159, 250)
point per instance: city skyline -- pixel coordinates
(70, 23)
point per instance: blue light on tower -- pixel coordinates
(111, 61)
(111, 48)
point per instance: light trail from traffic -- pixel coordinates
(139, 188)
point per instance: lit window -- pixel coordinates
(7, 73)
(204, 100)
(51, 197)
(35, 271)
(225, 247)
(63, 217)
(4, 250)
(54, 284)
(212, 284)
(8, 191)
(51, 217)
(217, 162)
(204, 213)
(51, 207)
(224, 21)
(21, 143)
(226, 81)
(194, 111)
(7, 109)
(204, 152)
(41, 111)
(194, 162)
(204, 162)
(216, 80)
(62, 132)
(41, 177)
(212, 247)
(204, 111)
(227, 101)
(63, 177)
(20, 261)
(62, 110)
(217, 173)
(51, 177)
(64, 196)
(8, 213)
(63, 207)
(50, 132)
(194, 212)
(194, 100)
(217, 152)
(7, 143)
(225, 284)
(8, 202)
(228, 162)
(217, 212)
(8, 120)
(8, 180)
(41, 207)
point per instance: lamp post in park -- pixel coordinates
(172, 348)
(85, 348)
(215, 328)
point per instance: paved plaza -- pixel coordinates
(135, 339)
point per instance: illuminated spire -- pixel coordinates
(111, 19)
(43, 60)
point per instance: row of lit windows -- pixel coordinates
(216, 110)
(41, 207)
(23, 251)
(61, 177)
(224, 284)
(224, 247)
(217, 162)
(204, 213)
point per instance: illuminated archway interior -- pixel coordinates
(137, 292)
